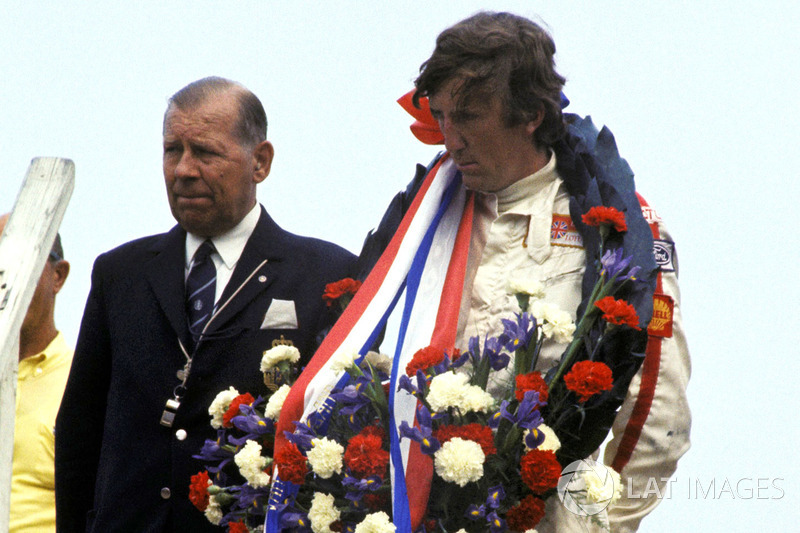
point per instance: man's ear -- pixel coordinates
(60, 274)
(534, 124)
(262, 159)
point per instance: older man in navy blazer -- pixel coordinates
(135, 408)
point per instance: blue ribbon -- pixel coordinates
(401, 516)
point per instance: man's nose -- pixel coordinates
(453, 139)
(187, 166)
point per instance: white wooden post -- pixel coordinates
(24, 247)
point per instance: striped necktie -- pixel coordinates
(201, 286)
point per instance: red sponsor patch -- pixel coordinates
(661, 323)
(650, 214)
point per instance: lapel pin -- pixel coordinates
(282, 341)
(262, 278)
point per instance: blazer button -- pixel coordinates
(166, 493)
(180, 434)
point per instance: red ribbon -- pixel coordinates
(425, 128)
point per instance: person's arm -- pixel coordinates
(79, 425)
(657, 409)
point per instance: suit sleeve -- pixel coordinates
(378, 239)
(651, 431)
(79, 424)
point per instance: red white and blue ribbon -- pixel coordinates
(426, 262)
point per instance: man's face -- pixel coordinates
(40, 311)
(210, 177)
(490, 155)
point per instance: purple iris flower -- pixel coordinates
(494, 421)
(252, 423)
(527, 416)
(492, 349)
(212, 451)
(517, 335)
(475, 512)
(614, 265)
(295, 521)
(252, 498)
(496, 524)
(302, 436)
(534, 438)
(351, 399)
(461, 359)
(404, 383)
(423, 434)
(496, 495)
(371, 483)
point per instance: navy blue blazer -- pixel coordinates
(117, 467)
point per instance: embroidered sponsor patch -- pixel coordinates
(650, 214)
(664, 254)
(661, 323)
(563, 232)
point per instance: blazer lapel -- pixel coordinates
(256, 270)
(165, 272)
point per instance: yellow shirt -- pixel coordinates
(40, 386)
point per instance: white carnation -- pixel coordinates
(459, 461)
(325, 457)
(379, 361)
(275, 402)
(376, 523)
(533, 288)
(541, 309)
(478, 400)
(220, 405)
(213, 512)
(323, 513)
(279, 353)
(453, 390)
(599, 490)
(447, 390)
(342, 361)
(551, 442)
(558, 326)
(251, 464)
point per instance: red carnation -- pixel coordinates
(237, 527)
(526, 515)
(423, 359)
(334, 291)
(233, 409)
(378, 431)
(531, 381)
(376, 501)
(618, 312)
(291, 464)
(475, 432)
(540, 470)
(198, 490)
(588, 378)
(605, 216)
(365, 456)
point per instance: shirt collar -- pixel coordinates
(518, 194)
(57, 345)
(230, 244)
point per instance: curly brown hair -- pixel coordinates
(505, 55)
